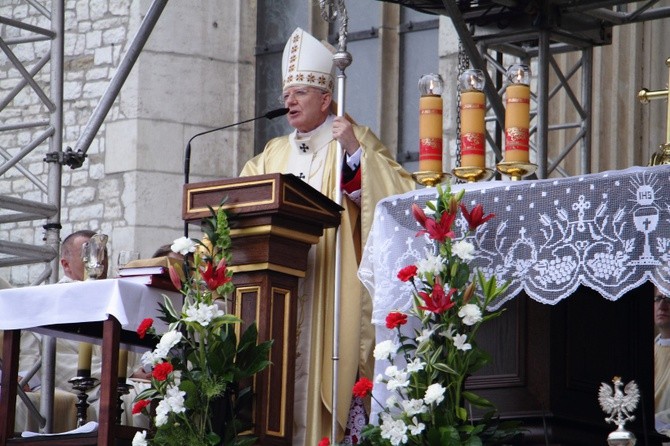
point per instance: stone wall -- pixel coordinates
(192, 75)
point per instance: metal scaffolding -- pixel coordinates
(538, 31)
(48, 129)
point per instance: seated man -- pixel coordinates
(67, 351)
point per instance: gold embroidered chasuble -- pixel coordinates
(381, 176)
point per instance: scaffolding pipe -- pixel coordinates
(587, 102)
(542, 117)
(52, 235)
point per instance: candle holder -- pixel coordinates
(661, 156)
(429, 178)
(516, 170)
(472, 174)
(82, 384)
(122, 388)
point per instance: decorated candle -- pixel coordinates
(517, 114)
(85, 354)
(473, 110)
(430, 123)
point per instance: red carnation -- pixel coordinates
(162, 370)
(395, 319)
(140, 405)
(475, 218)
(362, 388)
(407, 273)
(324, 442)
(144, 326)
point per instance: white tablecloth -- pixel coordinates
(77, 302)
(609, 231)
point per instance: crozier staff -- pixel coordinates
(369, 173)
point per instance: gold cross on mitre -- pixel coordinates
(662, 156)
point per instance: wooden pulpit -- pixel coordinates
(274, 219)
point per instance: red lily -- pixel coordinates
(215, 278)
(436, 230)
(476, 217)
(419, 215)
(174, 277)
(437, 301)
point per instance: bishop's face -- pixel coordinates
(308, 107)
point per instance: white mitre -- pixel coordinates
(307, 62)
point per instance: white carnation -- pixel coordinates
(386, 350)
(434, 394)
(168, 340)
(470, 313)
(464, 250)
(183, 245)
(140, 439)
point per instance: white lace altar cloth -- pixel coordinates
(609, 231)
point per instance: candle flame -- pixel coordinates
(519, 75)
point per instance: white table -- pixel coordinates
(110, 305)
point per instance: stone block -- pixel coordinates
(79, 196)
(97, 9)
(198, 91)
(90, 214)
(197, 28)
(93, 39)
(145, 145)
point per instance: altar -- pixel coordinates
(106, 312)
(600, 239)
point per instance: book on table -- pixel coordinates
(152, 272)
(153, 280)
(153, 266)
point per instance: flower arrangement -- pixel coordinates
(428, 368)
(198, 364)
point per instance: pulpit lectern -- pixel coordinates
(274, 219)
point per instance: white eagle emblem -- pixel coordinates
(617, 402)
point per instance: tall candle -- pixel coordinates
(123, 364)
(473, 111)
(517, 115)
(430, 123)
(85, 354)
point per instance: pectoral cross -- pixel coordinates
(304, 147)
(662, 156)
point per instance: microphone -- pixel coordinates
(187, 156)
(187, 153)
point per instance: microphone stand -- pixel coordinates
(187, 152)
(342, 59)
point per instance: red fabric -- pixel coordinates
(354, 184)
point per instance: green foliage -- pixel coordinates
(429, 367)
(200, 393)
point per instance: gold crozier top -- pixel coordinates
(662, 156)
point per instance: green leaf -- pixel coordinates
(476, 400)
(461, 413)
(442, 367)
(169, 308)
